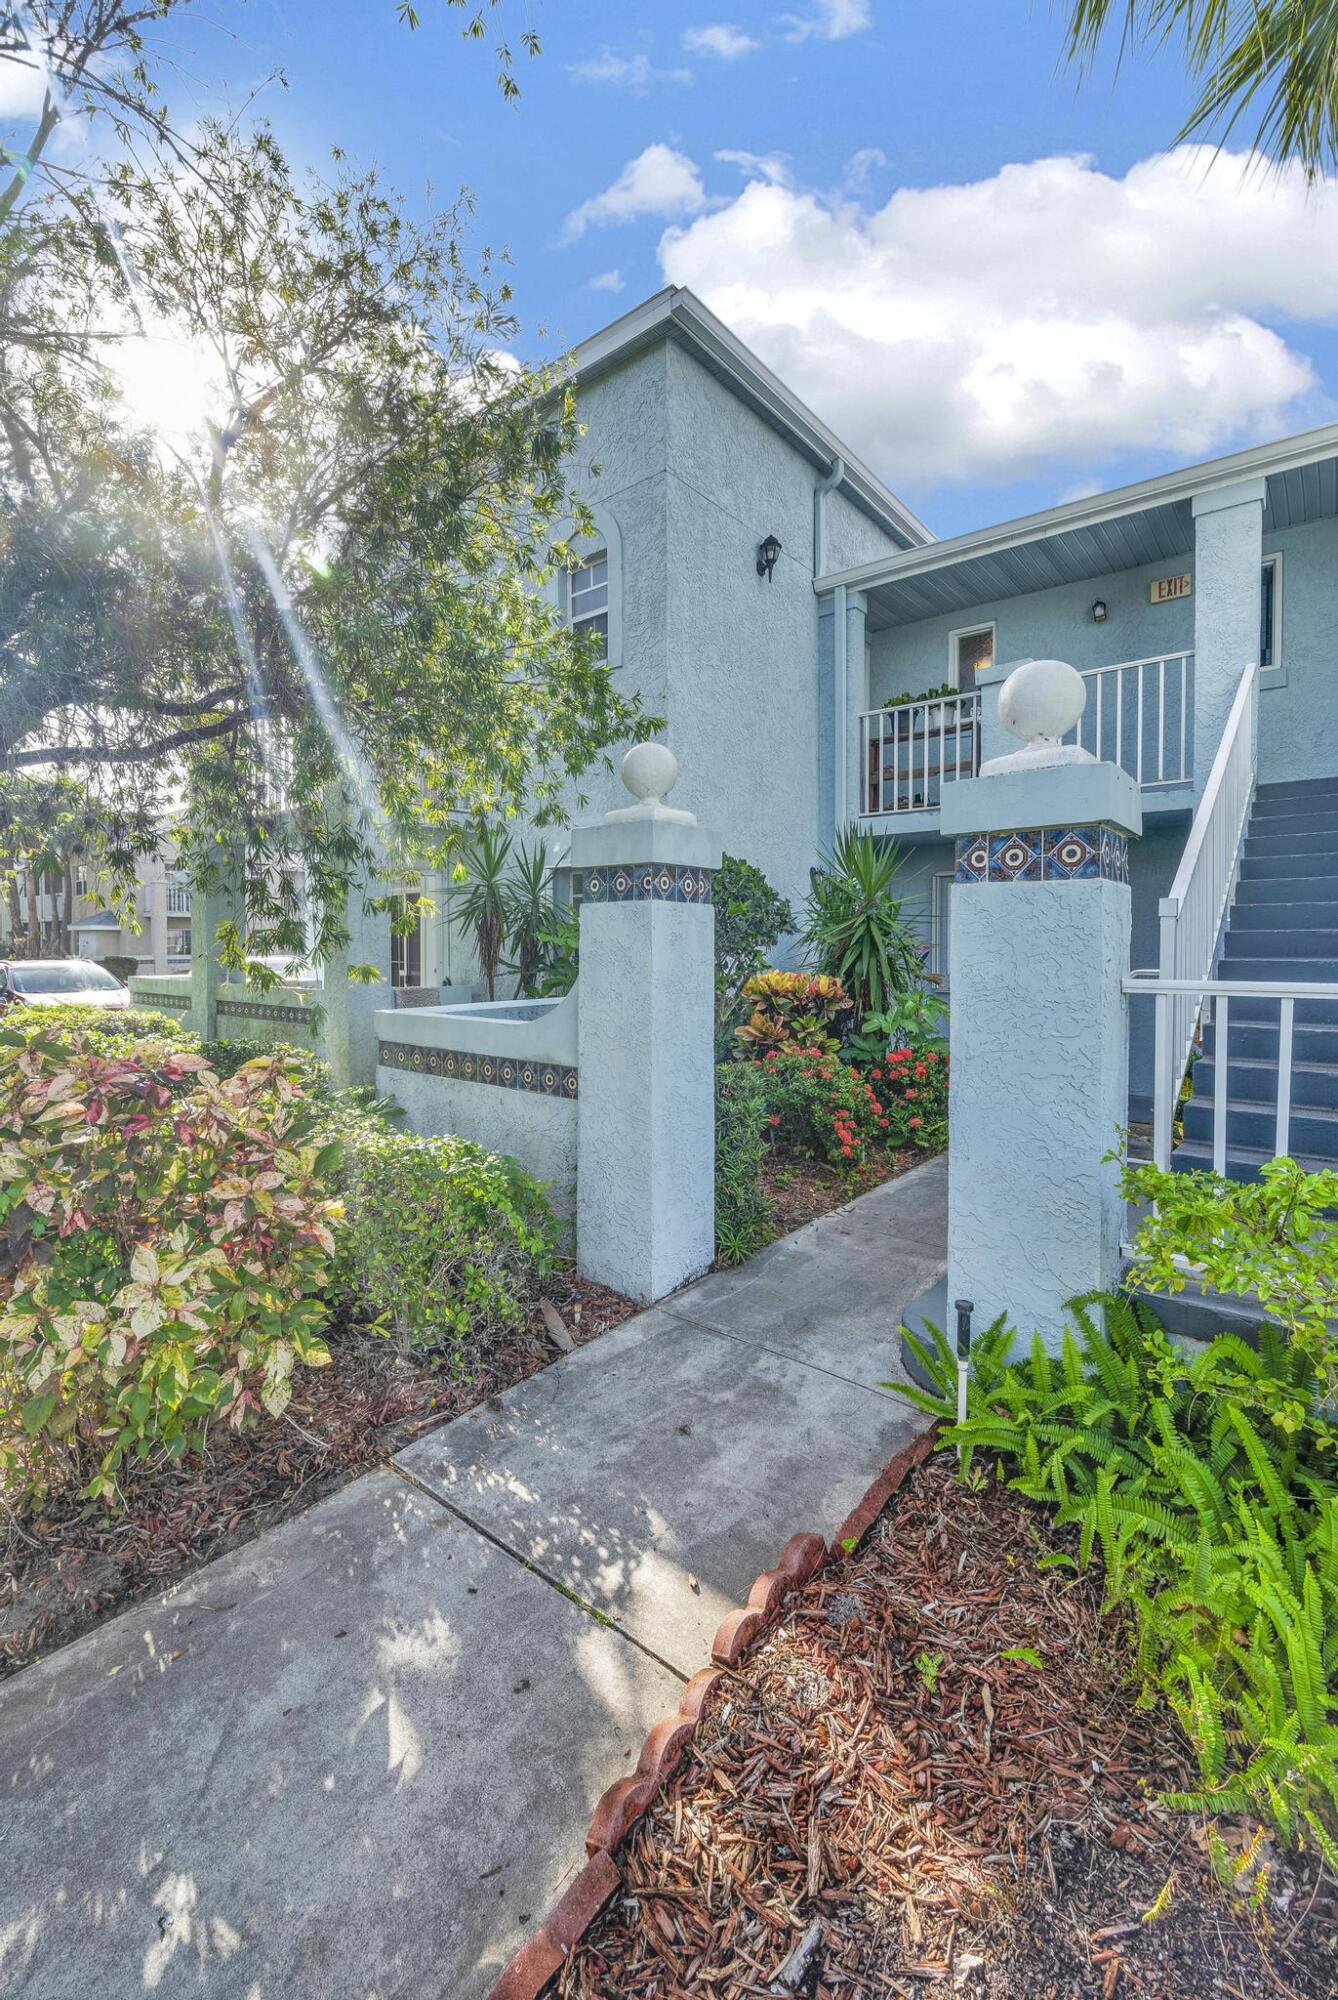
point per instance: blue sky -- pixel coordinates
(984, 276)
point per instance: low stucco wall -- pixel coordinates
(502, 1074)
(245, 1015)
(165, 993)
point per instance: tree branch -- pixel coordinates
(138, 753)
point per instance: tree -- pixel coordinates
(1241, 52)
(295, 581)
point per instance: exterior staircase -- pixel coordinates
(1283, 926)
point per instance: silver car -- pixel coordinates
(59, 982)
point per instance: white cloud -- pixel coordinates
(607, 281)
(1050, 313)
(830, 21)
(659, 181)
(720, 38)
(21, 89)
(757, 166)
(625, 72)
(862, 164)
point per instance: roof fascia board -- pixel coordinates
(676, 313)
(1167, 488)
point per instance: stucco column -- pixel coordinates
(222, 903)
(156, 890)
(351, 1005)
(645, 1188)
(856, 698)
(1228, 552)
(1039, 1038)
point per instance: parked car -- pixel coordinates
(59, 982)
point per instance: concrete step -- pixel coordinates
(1297, 846)
(1254, 1035)
(1305, 876)
(1297, 788)
(1252, 1127)
(1288, 967)
(1243, 1162)
(1317, 941)
(1278, 915)
(1302, 826)
(1254, 1080)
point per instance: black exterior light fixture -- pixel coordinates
(767, 554)
(1099, 613)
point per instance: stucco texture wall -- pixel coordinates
(694, 481)
(538, 1131)
(1044, 624)
(1298, 712)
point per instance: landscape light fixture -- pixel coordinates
(767, 554)
(1099, 611)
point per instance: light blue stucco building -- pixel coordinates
(776, 688)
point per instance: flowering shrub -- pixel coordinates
(817, 1104)
(913, 1083)
(792, 1009)
(166, 1237)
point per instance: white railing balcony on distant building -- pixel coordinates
(1140, 715)
(910, 751)
(178, 899)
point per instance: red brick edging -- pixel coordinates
(543, 1955)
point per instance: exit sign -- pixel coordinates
(1167, 588)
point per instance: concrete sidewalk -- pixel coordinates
(355, 1760)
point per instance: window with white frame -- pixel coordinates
(969, 652)
(588, 600)
(1270, 613)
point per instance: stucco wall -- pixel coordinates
(694, 480)
(1045, 624)
(1298, 712)
(540, 1132)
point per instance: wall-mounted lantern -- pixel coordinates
(1099, 612)
(767, 554)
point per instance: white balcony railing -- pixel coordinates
(1192, 914)
(178, 899)
(908, 753)
(1140, 715)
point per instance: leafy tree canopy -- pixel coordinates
(276, 516)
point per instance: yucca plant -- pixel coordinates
(527, 903)
(855, 928)
(480, 902)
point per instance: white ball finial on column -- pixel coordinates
(649, 770)
(1040, 702)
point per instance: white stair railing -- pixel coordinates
(1193, 912)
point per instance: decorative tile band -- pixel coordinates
(546, 1079)
(257, 1010)
(644, 882)
(1045, 854)
(161, 1003)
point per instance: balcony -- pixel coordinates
(1139, 714)
(178, 899)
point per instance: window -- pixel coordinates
(588, 600)
(406, 951)
(1270, 613)
(969, 651)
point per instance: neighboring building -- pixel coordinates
(161, 909)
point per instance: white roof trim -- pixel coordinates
(677, 313)
(1259, 461)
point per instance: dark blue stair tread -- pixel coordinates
(1273, 914)
(1194, 1157)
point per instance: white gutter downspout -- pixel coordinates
(839, 678)
(825, 486)
(820, 492)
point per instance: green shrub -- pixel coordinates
(167, 1237)
(742, 1215)
(750, 920)
(226, 1058)
(913, 1084)
(120, 965)
(120, 1027)
(790, 1009)
(917, 1019)
(1207, 1487)
(443, 1242)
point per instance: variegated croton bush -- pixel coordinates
(167, 1237)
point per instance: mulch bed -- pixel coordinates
(69, 1568)
(877, 1802)
(799, 1189)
